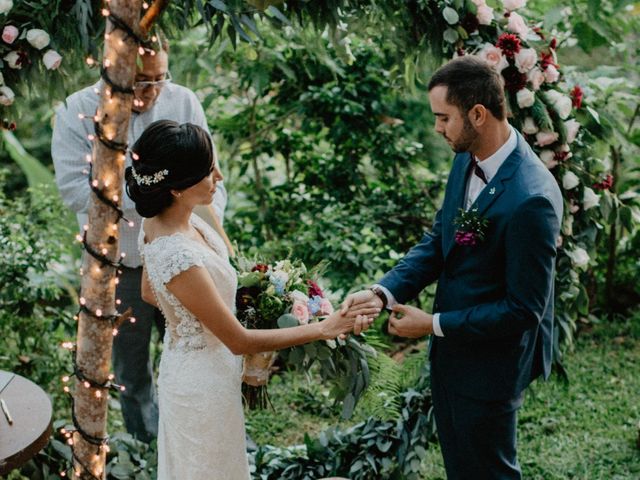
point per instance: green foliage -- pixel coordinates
(370, 449)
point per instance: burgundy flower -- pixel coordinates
(553, 44)
(470, 22)
(605, 184)
(546, 59)
(509, 44)
(514, 80)
(314, 289)
(466, 238)
(260, 267)
(576, 96)
(561, 156)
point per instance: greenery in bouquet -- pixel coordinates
(286, 294)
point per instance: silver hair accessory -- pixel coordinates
(149, 179)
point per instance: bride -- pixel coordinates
(189, 277)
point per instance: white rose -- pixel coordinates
(479, 3)
(12, 59)
(579, 257)
(51, 59)
(38, 38)
(570, 180)
(561, 103)
(529, 126)
(1, 79)
(513, 4)
(299, 296)
(590, 199)
(517, 25)
(6, 96)
(525, 98)
(485, 15)
(572, 127)
(536, 77)
(526, 59)
(5, 6)
(493, 56)
(548, 157)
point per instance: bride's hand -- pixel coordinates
(338, 325)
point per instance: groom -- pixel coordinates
(492, 325)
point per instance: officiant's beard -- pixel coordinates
(466, 139)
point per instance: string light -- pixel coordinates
(100, 388)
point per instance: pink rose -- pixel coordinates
(325, 307)
(536, 77)
(572, 129)
(516, 25)
(526, 59)
(545, 137)
(551, 74)
(51, 59)
(485, 15)
(9, 34)
(513, 4)
(493, 56)
(301, 312)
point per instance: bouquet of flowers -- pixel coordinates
(286, 294)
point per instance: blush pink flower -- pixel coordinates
(517, 25)
(325, 307)
(51, 59)
(536, 78)
(551, 74)
(301, 312)
(545, 137)
(493, 56)
(485, 15)
(526, 59)
(9, 34)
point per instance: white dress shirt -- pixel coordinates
(475, 185)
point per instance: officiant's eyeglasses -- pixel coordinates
(156, 83)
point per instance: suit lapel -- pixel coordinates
(458, 190)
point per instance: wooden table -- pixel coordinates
(31, 411)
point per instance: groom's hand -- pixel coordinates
(410, 322)
(364, 302)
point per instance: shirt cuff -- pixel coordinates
(391, 300)
(437, 330)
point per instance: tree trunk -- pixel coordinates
(95, 334)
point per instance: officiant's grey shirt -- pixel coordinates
(70, 146)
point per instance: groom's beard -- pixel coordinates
(466, 139)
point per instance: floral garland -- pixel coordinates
(19, 48)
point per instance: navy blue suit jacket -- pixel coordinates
(495, 299)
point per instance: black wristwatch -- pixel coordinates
(381, 295)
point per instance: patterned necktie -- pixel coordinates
(479, 173)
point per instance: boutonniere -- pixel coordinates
(471, 227)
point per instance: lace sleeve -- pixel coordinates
(171, 257)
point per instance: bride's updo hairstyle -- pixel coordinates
(167, 156)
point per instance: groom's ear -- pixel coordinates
(478, 115)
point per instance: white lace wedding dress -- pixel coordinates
(201, 432)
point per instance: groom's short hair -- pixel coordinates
(471, 81)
